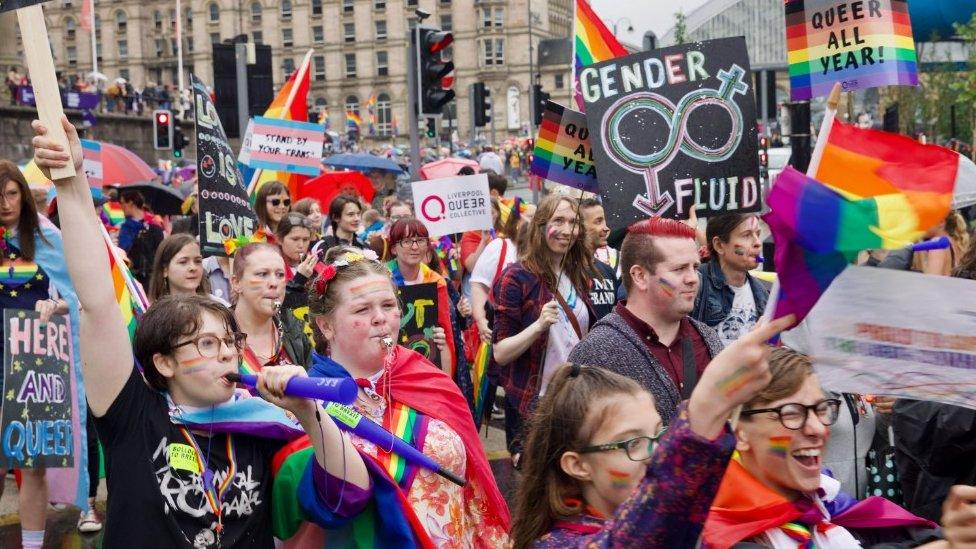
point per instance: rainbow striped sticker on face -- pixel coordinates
(779, 446)
(18, 272)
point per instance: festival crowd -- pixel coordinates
(643, 405)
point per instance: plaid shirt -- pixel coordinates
(519, 297)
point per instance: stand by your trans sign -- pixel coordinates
(453, 204)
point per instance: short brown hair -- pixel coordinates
(639, 246)
(722, 226)
(168, 320)
(789, 370)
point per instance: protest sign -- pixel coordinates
(860, 44)
(71, 99)
(284, 145)
(35, 418)
(892, 346)
(40, 66)
(92, 151)
(225, 212)
(674, 130)
(244, 157)
(562, 149)
(453, 204)
(420, 314)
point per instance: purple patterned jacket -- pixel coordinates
(669, 507)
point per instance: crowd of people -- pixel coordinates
(643, 405)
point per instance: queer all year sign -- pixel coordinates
(674, 130)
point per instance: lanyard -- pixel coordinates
(214, 494)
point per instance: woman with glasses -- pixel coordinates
(410, 244)
(775, 493)
(271, 204)
(601, 471)
(180, 474)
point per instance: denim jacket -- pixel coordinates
(714, 300)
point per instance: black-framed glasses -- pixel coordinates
(414, 243)
(277, 201)
(208, 345)
(637, 448)
(793, 415)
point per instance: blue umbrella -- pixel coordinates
(362, 162)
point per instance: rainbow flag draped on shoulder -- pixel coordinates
(593, 42)
(870, 190)
(291, 103)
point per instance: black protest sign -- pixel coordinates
(420, 314)
(225, 212)
(10, 5)
(673, 130)
(35, 417)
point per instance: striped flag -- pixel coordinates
(593, 43)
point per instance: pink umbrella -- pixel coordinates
(447, 167)
(119, 166)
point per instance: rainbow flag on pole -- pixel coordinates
(562, 149)
(831, 41)
(128, 293)
(593, 43)
(353, 120)
(479, 376)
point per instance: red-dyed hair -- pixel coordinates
(638, 247)
(406, 228)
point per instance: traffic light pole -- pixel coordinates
(243, 113)
(412, 105)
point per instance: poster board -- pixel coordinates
(419, 318)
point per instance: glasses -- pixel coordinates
(208, 345)
(413, 243)
(277, 202)
(637, 448)
(794, 416)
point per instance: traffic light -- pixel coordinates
(539, 99)
(431, 128)
(179, 142)
(433, 80)
(162, 130)
(763, 151)
(481, 104)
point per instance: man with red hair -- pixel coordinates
(649, 336)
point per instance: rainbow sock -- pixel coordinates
(32, 539)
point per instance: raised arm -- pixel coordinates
(105, 349)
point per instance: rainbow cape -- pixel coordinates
(593, 43)
(871, 190)
(296, 110)
(560, 155)
(873, 50)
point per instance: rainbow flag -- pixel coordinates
(113, 213)
(371, 114)
(297, 110)
(562, 149)
(479, 376)
(593, 43)
(122, 295)
(865, 48)
(353, 120)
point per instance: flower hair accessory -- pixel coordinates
(231, 245)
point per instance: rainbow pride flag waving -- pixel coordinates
(593, 43)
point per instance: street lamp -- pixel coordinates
(630, 25)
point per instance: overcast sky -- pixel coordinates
(654, 15)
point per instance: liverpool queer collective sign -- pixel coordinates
(674, 130)
(36, 414)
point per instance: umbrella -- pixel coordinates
(120, 166)
(965, 192)
(329, 185)
(162, 200)
(447, 167)
(96, 76)
(362, 162)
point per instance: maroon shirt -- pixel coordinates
(669, 355)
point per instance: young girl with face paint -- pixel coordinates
(542, 308)
(258, 286)
(775, 493)
(187, 465)
(600, 469)
(731, 300)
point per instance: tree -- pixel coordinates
(965, 84)
(680, 29)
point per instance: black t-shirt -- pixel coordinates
(155, 498)
(603, 290)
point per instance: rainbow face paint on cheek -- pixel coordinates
(618, 479)
(551, 232)
(193, 365)
(779, 446)
(666, 287)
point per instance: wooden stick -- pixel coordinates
(832, 101)
(40, 66)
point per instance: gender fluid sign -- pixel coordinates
(865, 345)
(225, 212)
(860, 44)
(674, 130)
(420, 314)
(35, 419)
(453, 204)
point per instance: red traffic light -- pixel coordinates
(763, 142)
(439, 41)
(162, 118)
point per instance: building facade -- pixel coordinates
(359, 60)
